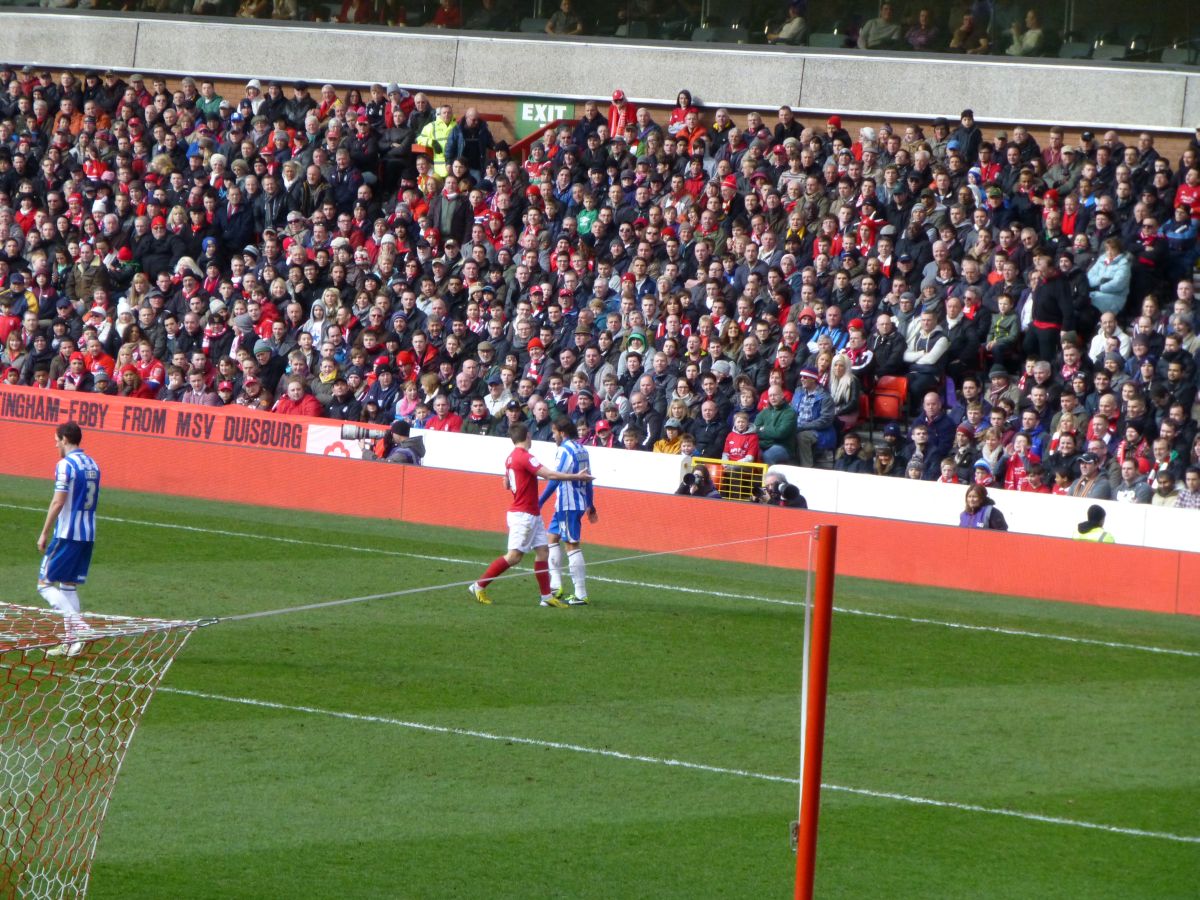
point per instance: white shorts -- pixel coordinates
(526, 531)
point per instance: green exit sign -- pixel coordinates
(533, 114)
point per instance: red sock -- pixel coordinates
(541, 571)
(498, 567)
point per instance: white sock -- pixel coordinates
(53, 595)
(66, 601)
(578, 572)
(71, 595)
(555, 563)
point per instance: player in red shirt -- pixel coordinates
(526, 531)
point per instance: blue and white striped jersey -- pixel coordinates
(572, 496)
(77, 476)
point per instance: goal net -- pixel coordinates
(65, 724)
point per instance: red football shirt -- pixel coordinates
(520, 474)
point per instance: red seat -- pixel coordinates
(889, 399)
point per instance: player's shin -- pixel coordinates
(498, 567)
(53, 595)
(578, 572)
(541, 573)
(556, 561)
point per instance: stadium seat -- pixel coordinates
(1178, 56)
(729, 36)
(532, 25)
(820, 39)
(704, 35)
(890, 397)
(1109, 52)
(1075, 50)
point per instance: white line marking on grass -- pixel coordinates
(679, 589)
(680, 764)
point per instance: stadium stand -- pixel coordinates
(1018, 315)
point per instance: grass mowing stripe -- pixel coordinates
(916, 620)
(680, 764)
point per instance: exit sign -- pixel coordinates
(533, 114)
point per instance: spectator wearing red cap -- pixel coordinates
(159, 250)
(131, 384)
(76, 377)
(539, 365)
(620, 113)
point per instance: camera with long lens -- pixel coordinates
(358, 433)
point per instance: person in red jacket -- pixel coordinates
(741, 445)
(131, 384)
(443, 418)
(620, 113)
(297, 401)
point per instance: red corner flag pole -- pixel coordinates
(814, 723)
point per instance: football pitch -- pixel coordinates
(423, 746)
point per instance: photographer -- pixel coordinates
(395, 446)
(776, 491)
(698, 483)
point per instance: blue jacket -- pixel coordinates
(1109, 282)
(815, 412)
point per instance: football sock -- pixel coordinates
(75, 626)
(71, 595)
(543, 577)
(498, 567)
(556, 561)
(66, 601)
(578, 572)
(53, 595)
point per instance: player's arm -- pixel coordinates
(555, 475)
(589, 492)
(560, 463)
(57, 502)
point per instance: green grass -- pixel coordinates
(221, 799)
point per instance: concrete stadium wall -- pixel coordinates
(244, 457)
(1122, 95)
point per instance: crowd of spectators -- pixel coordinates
(697, 284)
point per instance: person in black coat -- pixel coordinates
(849, 459)
(887, 347)
(709, 431)
(159, 250)
(234, 222)
(450, 212)
(1053, 309)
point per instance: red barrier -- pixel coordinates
(240, 463)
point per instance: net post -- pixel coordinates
(814, 724)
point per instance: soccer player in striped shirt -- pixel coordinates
(526, 530)
(572, 499)
(69, 534)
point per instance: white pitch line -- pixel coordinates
(681, 764)
(679, 589)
